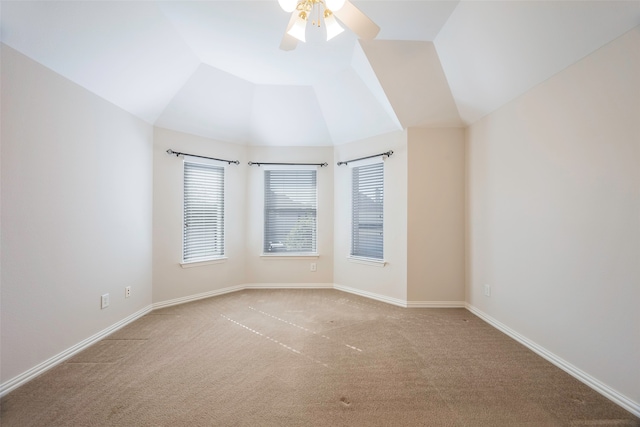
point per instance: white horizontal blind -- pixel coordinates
(203, 236)
(367, 211)
(290, 207)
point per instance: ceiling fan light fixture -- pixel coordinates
(288, 5)
(299, 27)
(334, 5)
(333, 28)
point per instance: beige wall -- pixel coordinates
(76, 214)
(170, 280)
(436, 217)
(243, 221)
(388, 282)
(554, 215)
(288, 270)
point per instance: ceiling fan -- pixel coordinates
(328, 10)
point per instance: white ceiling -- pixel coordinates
(214, 68)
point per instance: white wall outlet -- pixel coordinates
(314, 267)
(487, 290)
(127, 292)
(104, 301)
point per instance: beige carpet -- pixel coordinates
(307, 358)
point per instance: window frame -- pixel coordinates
(215, 259)
(359, 258)
(284, 254)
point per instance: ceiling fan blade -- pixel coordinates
(288, 41)
(357, 21)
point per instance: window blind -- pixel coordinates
(203, 236)
(367, 211)
(290, 208)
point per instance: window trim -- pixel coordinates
(288, 255)
(217, 259)
(367, 261)
(358, 259)
(212, 261)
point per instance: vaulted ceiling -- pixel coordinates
(214, 68)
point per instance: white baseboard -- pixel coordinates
(600, 387)
(39, 369)
(217, 292)
(196, 297)
(378, 297)
(436, 304)
(288, 286)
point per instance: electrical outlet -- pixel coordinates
(314, 267)
(487, 290)
(127, 292)
(104, 301)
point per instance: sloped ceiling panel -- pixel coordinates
(493, 52)
(287, 116)
(125, 52)
(362, 67)
(149, 58)
(212, 104)
(409, 20)
(351, 110)
(414, 82)
(243, 38)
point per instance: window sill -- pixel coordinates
(291, 256)
(367, 261)
(203, 263)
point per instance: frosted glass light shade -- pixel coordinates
(333, 28)
(299, 28)
(334, 5)
(288, 5)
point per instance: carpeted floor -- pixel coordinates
(307, 358)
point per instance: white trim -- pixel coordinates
(41, 368)
(292, 256)
(288, 286)
(436, 304)
(196, 297)
(355, 258)
(367, 261)
(378, 297)
(264, 203)
(192, 264)
(580, 375)
(216, 163)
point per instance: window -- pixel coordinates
(290, 202)
(367, 211)
(203, 236)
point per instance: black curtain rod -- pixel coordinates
(176, 153)
(289, 164)
(388, 154)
